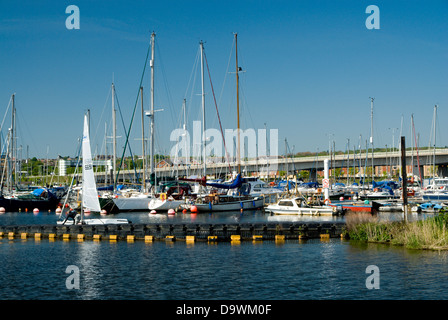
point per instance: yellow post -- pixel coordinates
(81, 237)
(149, 238)
(66, 236)
(279, 237)
(257, 237)
(52, 236)
(11, 234)
(37, 236)
(96, 237)
(235, 237)
(170, 238)
(212, 238)
(130, 238)
(190, 239)
(113, 237)
(24, 235)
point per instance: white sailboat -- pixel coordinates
(90, 199)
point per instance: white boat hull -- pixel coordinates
(133, 203)
(313, 211)
(164, 205)
(97, 221)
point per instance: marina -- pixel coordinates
(221, 159)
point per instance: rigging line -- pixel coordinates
(216, 106)
(194, 75)
(133, 112)
(19, 127)
(227, 70)
(7, 109)
(165, 82)
(124, 128)
(102, 113)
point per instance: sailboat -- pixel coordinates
(15, 200)
(217, 201)
(90, 200)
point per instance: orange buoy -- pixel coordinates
(171, 211)
(2, 210)
(194, 209)
(36, 210)
(153, 212)
(184, 211)
(58, 210)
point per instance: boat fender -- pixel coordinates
(210, 205)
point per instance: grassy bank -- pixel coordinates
(430, 233)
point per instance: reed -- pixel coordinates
(430, 233)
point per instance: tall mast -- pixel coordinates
(434, 149)
(203, 109)
(416, 146)
(371, 132)
(105, 151)
(151, 119)
(143, 145)
(114, 138)
(12, 138)
(184, 107)
(237, 102)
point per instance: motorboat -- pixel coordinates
(299, 205)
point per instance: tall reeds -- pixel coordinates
(430, 233)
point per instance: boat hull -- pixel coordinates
(16, 205)
(97, 221)
(132, 203)
(372, 207)
(164, 205)
(249, 204)
(313, 211)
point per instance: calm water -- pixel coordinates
(294, 270)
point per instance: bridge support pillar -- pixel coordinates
(442, 170)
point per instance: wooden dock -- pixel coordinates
(219, 232)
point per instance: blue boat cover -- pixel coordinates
(38, 192)
(235, 183)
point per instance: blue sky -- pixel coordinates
(310, 68)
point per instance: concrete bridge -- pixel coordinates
(382, 162)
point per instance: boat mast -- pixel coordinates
(114, 139)
(12, 145)
(237, 103)
(184, 107)
(151, 119)
(203, 109)
(416, 146)
(434, 149)
(105, 151)
(143, 145)
(371, 133)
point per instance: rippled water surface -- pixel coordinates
(291, 270)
